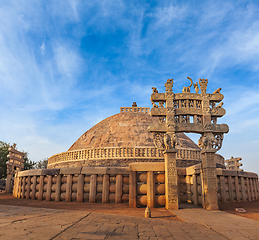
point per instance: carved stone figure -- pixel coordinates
(219, 140)
(207, 141)
(187, 89)
(219, 105)
(169, 86)
(196, 87)
(170, 141)
(158, 139)
(161, 119)
(203, 84)
(161, 104)
(154, 105)
(217, 91)
(154, 90)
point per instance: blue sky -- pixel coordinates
(66, 65)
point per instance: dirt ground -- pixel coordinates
(252, 208)
(109, 208)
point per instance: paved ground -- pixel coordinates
(97, 221)
(18, 222)
(229, 225)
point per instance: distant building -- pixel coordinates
(234, 164)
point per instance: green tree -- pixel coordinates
(28, 164)
(42, 164)
(3, 158)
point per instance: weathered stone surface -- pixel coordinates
(124, 130)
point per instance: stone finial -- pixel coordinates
(147, 212)
(134, 104)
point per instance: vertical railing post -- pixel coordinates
(150, 189)
(132, 189)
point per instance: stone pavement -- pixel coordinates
(18, 222)
(228, 225)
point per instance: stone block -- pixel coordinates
(117, 170)
(66, 171)
(23, 173)
(94, 170)
(53, 171)
(147, 166)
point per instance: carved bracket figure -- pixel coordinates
(158, 139)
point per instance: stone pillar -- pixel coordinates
(33, 190)
(118, 191)
(195, 195)
(41, 187)
(80, 188)
(171, 189)
(93, 183)
(27, 195)
(8, 187)
(150, 190)
(209, 183)
(106, 186)
(189, 192)
(69, 188)
(58, 185)
(49, 185)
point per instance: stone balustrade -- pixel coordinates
(135, 109)
(100, 184)
(120, 153)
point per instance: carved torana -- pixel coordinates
(188, 112)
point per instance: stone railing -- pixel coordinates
(233, 186)
(120, 153)
(147, 186)
(140, 184)
(135, 109)
(100, 184)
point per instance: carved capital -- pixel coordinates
(170, 140)
(211, 141)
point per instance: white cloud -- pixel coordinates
(43, 49)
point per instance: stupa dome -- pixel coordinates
(126, 129)
(121, 139)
